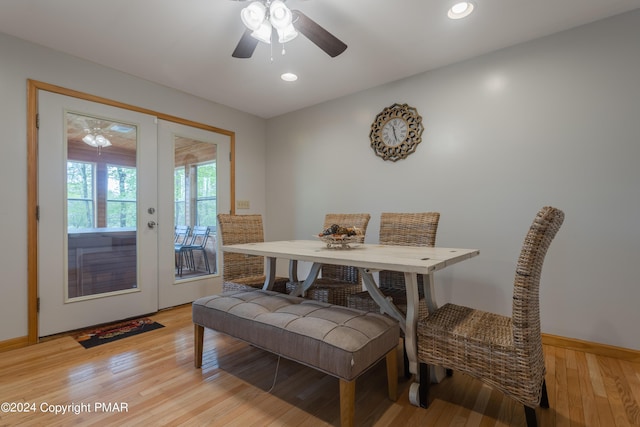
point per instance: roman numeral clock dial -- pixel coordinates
(396, 132)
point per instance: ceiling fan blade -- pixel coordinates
(246, 46)
(318, 35)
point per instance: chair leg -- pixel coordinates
(544, 400)
(198, 341)
(180, 261)
(206, 261)
(183, 261)
(347, 402)
(425, 381)
(530, 414)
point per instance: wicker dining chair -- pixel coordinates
(407, 229)
(400, 229)
(336, 282)
(240, 271)
(503, 352)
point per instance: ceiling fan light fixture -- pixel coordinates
(461, 10)
(273, 14)
(279, 15)
(253, 16)
(262, 19)
(287, 34)
(263, 32)
(101, 141)
(96, 140)
(90, 140)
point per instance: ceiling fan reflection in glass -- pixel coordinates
(95, 139)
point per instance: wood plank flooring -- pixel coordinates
(150, 379)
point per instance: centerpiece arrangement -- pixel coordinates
(337, 236)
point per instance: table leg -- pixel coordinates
(386, 306)
(311, 277)
(293, 270)
(270, 273)
(428, 286)
(410, 334)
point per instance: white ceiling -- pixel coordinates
(187, 44)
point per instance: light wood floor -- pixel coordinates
(153, 375)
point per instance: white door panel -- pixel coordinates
(59, 309)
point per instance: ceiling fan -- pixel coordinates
(263, 18)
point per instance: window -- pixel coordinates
(121, 197)
(206, 194)
(80, 195)
(180, 196)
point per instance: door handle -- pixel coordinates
(151, 224)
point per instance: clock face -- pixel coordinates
(394, 131)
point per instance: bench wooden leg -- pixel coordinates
(392, 374)
(198, 340)
(347, 402)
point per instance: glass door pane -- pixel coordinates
(101, 206)
(195, 201)
(194, 183)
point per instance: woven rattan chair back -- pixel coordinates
(338, 272)
(525, 313)
(504, 352)
(237, 229)
(406, 229)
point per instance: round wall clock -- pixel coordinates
(396, 132)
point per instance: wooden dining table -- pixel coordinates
(368, 259)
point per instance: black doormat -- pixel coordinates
(109, 333)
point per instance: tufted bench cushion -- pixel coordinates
(337, 340)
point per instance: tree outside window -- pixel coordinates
(180, 196)
(121, 197)
(80, 195)
(206, 194)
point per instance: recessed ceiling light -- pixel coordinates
(460, 10)
(289, 77)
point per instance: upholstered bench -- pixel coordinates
(339, 341)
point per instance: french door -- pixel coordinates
(199, 176)
(97, 244)
(106, 198)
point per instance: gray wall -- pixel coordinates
(20, 61)
(554, 122)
